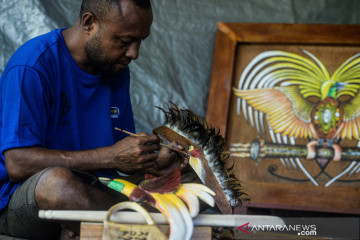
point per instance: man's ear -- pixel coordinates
(89, 22)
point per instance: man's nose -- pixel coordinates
(133, 50)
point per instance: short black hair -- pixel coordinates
(101, 8)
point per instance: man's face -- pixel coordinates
(117, 39)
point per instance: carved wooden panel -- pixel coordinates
(286, 98)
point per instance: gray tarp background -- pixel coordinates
(175, 61)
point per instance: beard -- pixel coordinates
(98, 57)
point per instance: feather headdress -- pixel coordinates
(190, 130)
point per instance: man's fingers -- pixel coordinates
(150, 157)
(148, 165)
(180, 147)
(150, 148)
(186, 161)
(153, 139)
(176, 145)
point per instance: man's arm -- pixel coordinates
(129, 155)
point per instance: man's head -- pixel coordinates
(114, 30)
(102, 8)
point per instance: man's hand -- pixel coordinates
(135, 154)
(168, 160)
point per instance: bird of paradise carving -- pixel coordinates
(301, 100)
(168, 194)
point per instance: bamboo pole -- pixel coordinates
(127, 217)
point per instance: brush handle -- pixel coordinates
(161, 144)
(127, 132)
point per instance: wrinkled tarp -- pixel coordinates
(175, 61)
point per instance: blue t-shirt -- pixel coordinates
(47, 100)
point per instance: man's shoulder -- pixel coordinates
(38, 49)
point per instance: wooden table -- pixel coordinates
(94, 231)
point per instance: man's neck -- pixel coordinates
(75, 43)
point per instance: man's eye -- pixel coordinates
(125, 43)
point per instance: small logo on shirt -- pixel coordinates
(114, 112)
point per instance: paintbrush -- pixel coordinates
(161, 144)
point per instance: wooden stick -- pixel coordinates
(128, 133)
(161, 144)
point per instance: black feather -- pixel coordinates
(197, 130)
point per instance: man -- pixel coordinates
(62, 94)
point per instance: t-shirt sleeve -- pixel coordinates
(23, 109)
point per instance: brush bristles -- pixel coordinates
(194, 128)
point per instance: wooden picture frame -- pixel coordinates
(236, 45)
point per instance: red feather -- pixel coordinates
(139, 195)
(196, 152)
(164, 184)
